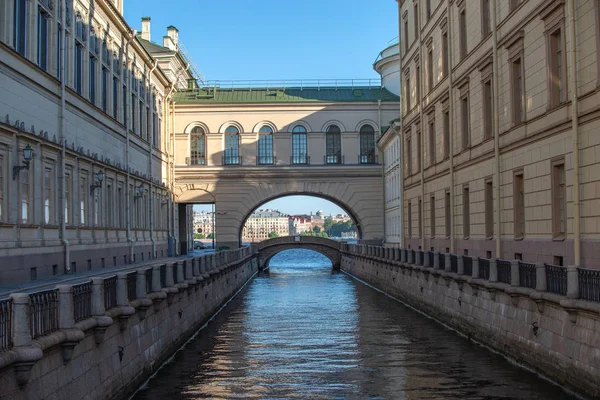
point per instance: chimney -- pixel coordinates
(171, 41)
(146, 28)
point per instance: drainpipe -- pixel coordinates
(61, 134)
(128, 176)
(420, 149)
(496, 130)
(382, 170)
(451, 127)
(150, 172)
(575, 133)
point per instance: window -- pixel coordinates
(68, 193)
(448, 214)
(419, 149)
(420, 214)
(408, 157)
(462, 26)
(367, 145)
(489, 208)
(124, 104)
(466, 213)
(120, 205)
(519, 205)
(48, 195)
(83, 197)
(115, 98)
(512, 5)
(141, 119)
(405, 35)
(517, 92)
(92, 82)
(232, 146)
(59, 34)
(431, 141)
(299, 145)
(333, 144)
(430, 69)
(1, 188)
(24, 186)
(409, 217)
(446, 128)
(42, 39)
(418, 83)
(432, 216)
(487, 110)
(464, 111)
(133, 116)
(485, 18)
(407, 94)
(104, 90)
(416, 20)
(265, 145)
(20, 26)
(556, 69)
(445, 53)
(559, 200)
(198, 146)
(428, 9)
(78, 78)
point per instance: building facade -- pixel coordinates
(299, 224)
(203, 223)
(84, 141)
(263, 223)
(498, 118)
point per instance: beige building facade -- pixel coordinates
(499, 121)
(262, 223)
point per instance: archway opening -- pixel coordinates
(299, 215)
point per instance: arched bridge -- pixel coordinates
(329, 248)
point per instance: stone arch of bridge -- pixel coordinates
(268, 249)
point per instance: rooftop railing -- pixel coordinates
(292, 83)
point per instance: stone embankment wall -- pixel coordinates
(102, 339)
(554, 334)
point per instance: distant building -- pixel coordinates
(263, 222)
(203, 222)
(299, 224)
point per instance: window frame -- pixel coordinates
(557, 202)
(368, 151)
(554, 22)
(231, 154)
(466, 203)
(265, 146)
(519, 220)
(432, 138)
(333, 145)
(488, 196)
(198, 157)
(432, 216)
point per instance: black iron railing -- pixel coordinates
(300, 159)
(163, 276)
(442, 258)
(266, 160)
(82, 301)
(468, 266)
(419, 260)
(149, 276)
(232, 160)
(43, 313)
(333, 158)
(410, 256)
(484, 268)
(132, 286)
(556, 279)
(429, 255)
(453, 263)
(184, 266)
(110, 292)
(503, 267)
(589, 284)
(175, 273)
(5, 324)
(527, 275)
(196, 160)
(368, 158)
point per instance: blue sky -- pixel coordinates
(275, 39)
(294, 205)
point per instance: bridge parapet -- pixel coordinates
(328, 247)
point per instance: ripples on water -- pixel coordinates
(303, 332)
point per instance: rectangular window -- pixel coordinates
(24, 184)
(431, 142)
(42, 39)
(517, 92)
(557, 74)
(155, 130)
(68, 193)
(419, 150)
(265, 149)
(115, 98)
(104, 90)
(78, 74)
(83, 198)
(445, 53)
(124, 105)
(120, 203)
(489, 208)
(333, 147)
(464, 105)
(92, 80)
(405, 36)
(418, 83)
(519, 205)
(408, 157)
(110, 217)
(428, 9)
(409, 217)
(141, 121)
(407, 95)
(466, 213)
(59, 34)
(20, 26)
(446, 134)
(485, 18)
(448, 214)
(559, 199)
(432, 215)
(430, 69)
(48, 195)
(420, 214)
(416, 21)
(487, 110)
(462, 21)
(1, 188)
(133, 115)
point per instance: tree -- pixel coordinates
(211, 236)
(316, 229)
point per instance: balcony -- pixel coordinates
(300, 159)
(334, 158)
(266, 160)
(232, 160)
(368, 158)
(196, 160)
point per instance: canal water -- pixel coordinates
(303, 332)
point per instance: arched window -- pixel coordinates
(367, 145)
(299, 145)
(232, 146)
(197, 146)
(265, 145)
(333, 145)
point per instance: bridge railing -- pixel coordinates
(572, 282)
(299, 240)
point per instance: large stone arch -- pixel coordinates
(267, 249)
(238, 192)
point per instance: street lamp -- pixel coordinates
(97, 185)
(139, 191)
(27, 156)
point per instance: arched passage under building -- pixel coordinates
(238, 192)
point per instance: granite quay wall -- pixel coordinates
(102, 338)
(542, 316)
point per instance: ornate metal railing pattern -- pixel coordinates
(527, 275)
(503, 271)
(453, 263)
(110, 292)
(82, 301)
(589, 284)
(484, 268)
(43, 313)
(556, 279)
(468, 265)
(5, 324)
(132, 285)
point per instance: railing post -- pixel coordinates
(397, 254)
(156, 278)
(202, 261)
(493, 270)
(436, 260)
(427, 259)
(169, 275)
(66, 319)
(460, 264)
(213, 261)
(418, 260)
(196, 266)
(447, 262)
(98, 297)
(21, 334)
(573, 282)
(540, 277)
(140, 289)
(475, 271)
(514, 273)
(180, 272)
(403, 256)
(189, 270)
(122, 289)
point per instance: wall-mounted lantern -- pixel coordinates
(27, 156)
(100, 178)
(165, 199)
(139, 192)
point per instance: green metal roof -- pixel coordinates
(152, 47)
(217, 95)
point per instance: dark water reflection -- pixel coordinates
(302, 332)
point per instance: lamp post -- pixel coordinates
(27, 156)
(98, 184)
